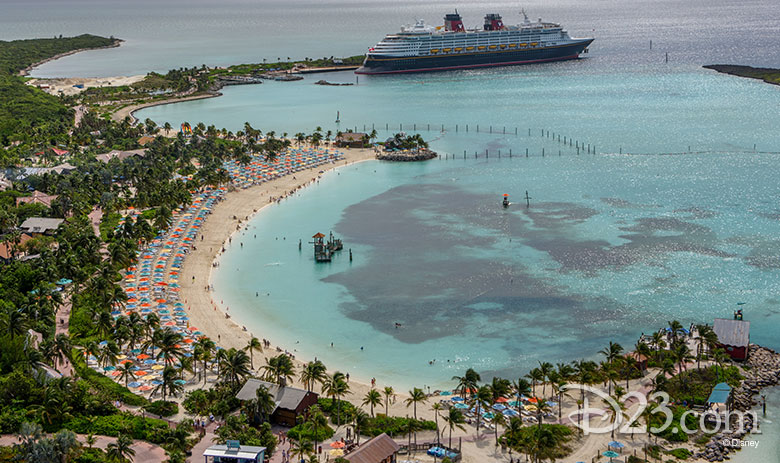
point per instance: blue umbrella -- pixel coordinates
(150, 361)
(488, 415)
(156, 382)
(180, 382)
(184, 318)
(102, 343)
(457, 399)
(445, 393)
(616, 444)
(510, 412)
(551, 404)
(136, 351)
(109, 368)
(461, 405)
(610, 454)
(499, 407)
(64, 281)
(134, 384)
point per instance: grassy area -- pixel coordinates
(768, 75)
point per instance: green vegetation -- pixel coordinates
(680, 454)
(237, 428)
(545, 442)
(694, 386)
(27, 114)
(768, 75)
(307, 431)
(161, 408)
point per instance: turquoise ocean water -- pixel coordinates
(613, 245)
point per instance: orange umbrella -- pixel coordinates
(125, 361)
(143, 356)
(141, 373)
(337, 445)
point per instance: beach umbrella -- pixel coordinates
(157, 367)
(445, 393)
(143, 356)
(499, 407)
(109, 368)
(336, 452)
(180, 382)
(134, 384)
(616, 444)
(488, 415)
(456, 399)
(141, 373)
(144, 388)
(461, 406)
(150, 361)
(156, 382)
(337, 445)
(510, 412)
(610, 454)
(502, 400)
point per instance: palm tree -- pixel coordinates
(372, 399)
(360, 420)
(264, 403)
(483, 398)
(611, 352)
(279, 369)
(126, 372)
(676, 329)
(545, 369)
(336, 387)
(62, 347)
(317, 421)
(681, 353)
(313, 372)
(234, 366)
(467, 382)
(121, 450)
(253, 345)
(497, 420)
(437, 407)
(617, 416)
(168, 382)
(169, 345)
(389, 394)
(207, 348)
(301, 448)
(535, 375)
(522, 388)
(108, 354)
(416, 396)
(454, 419)
(707, 340)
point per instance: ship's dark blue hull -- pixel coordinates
(380, 65)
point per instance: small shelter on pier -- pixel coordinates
(733, 337)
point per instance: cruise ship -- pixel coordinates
(423, 47)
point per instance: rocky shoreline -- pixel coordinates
(763, 372)
(406, 156)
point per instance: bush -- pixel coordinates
(306, 431)
(674, 432)
(11, 420)
(680, 454)
(148, 429)
(161, 408)
(331, 408)
(393, 425)
(105, 384)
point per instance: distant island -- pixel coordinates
(768, 75)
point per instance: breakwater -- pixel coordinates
(406, 156)
(763, 371)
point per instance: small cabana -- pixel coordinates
(719, 398)
(234, 452)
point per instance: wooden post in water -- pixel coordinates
(515, 131)
(504, 130)
(542, 152)
(464, 154)
(510, 152)
(429, 127)
(526, 152)
(499, 154)
(400, 127)
(387, 126)
(414, 127)
(456, 128)
(527, 200)
(467, 128)
(491, 129)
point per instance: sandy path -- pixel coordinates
(129, 110)
(144, 451)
